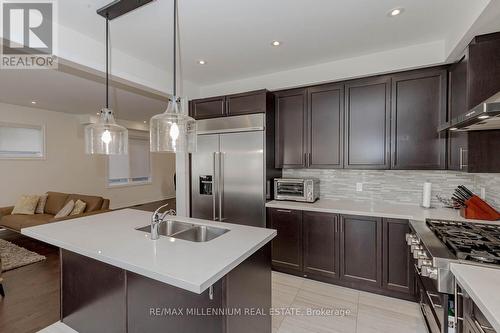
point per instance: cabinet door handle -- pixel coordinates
(461, 158)
(336, 224)
(283, 211)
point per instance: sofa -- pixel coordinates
(55, 202)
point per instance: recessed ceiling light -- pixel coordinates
(145, 122)
(483, 117)
(396, 12)
(276, 43)
(202, 62)
(33, 102)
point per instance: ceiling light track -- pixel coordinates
(118, 8)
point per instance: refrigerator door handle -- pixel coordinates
(221, 186)
(215, 190)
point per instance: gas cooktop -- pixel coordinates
(469, 241)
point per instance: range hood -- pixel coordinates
(485, 116)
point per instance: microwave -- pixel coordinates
(303, 190)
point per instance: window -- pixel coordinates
(21, 141)
(131, 169)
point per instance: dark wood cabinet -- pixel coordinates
(458, 151)
(287, 246)
(259, 101)
(475, 76)
(361, 250)
(367, 123)
(474, 151)
(248, 103)
(457, 85)
(366, 253)
(398, 272)
(321, 250)
(208, 107)
(419, 106)
(326, 130)
(291, 122)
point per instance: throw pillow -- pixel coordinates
(40, 208)
(26, 205)
(66, 210)
(79, 207)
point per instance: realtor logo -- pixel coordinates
(28, 31)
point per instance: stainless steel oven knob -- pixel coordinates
(430, 272)
(416, 247)
(424, 262)
(408, 236)
(419, 254)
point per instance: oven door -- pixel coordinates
(287, 189)
(432, 305)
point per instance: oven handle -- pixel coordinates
(457, 318)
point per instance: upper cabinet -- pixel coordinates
(326, 130)
(233, 105)
(248, 103)
(290, 125)
(418, 108)
(475, 76)
(386, 122)
(207, 108)
(309, 127)
(367, 123)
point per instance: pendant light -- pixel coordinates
(173, 131)
(106, 137)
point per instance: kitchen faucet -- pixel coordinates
(157, 219)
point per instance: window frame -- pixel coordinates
(130, 182)
(43, 153)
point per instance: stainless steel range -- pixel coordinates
(434, 246)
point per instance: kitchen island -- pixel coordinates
(114, 278)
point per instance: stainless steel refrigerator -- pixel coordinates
(231, 171)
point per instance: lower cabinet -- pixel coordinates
(398, 273)
(287, 246)
(321, 251)
(360, 252)
(360, 245)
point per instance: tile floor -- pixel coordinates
(368, 313)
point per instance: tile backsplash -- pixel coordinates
(398, 186)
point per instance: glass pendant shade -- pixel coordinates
(106, 137)
(173, 131)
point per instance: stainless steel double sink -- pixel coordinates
(187, 231)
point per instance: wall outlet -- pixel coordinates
(359, 187)
(483, 193)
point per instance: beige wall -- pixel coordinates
(67, 168)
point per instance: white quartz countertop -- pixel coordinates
(372, 208)
(58, 327)
(112, 238)
(483, 286)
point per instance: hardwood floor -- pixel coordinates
(32, 292)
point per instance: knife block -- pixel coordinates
(477, 209)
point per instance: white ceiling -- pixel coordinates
(234, 36)
(69, 93)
